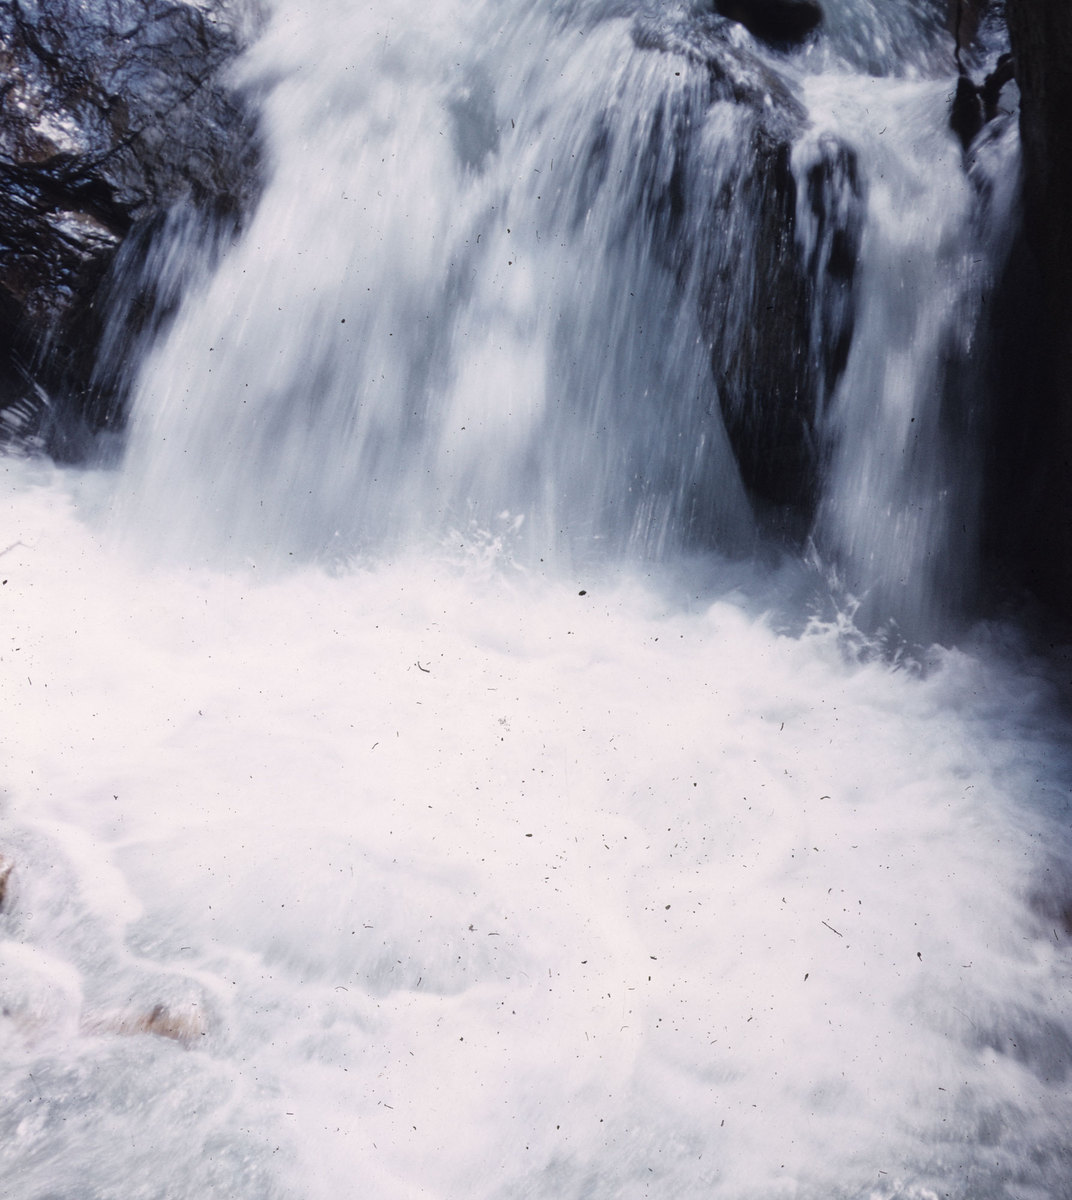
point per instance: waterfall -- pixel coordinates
(568, 277)
(511, 720)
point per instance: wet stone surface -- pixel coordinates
(111, 113)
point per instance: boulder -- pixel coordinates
(112, 112)
(779, 319)
(774, 301)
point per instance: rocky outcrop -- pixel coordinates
(112, 112)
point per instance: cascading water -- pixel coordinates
(425, 875)
(516, 270)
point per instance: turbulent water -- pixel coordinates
(437, 761)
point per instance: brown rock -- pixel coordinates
(7, 866)
(179, 1025)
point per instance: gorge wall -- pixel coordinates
(1033, 521)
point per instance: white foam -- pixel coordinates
(490, 888)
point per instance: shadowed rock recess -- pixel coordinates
(113, 114)
(1033, 474)
(780, 22)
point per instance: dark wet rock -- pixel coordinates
(1035, 503)
(774, 295)
(962, 19)
(7, 868)
(780, 22)
(754, 313)
(1041, 35)
(966, 113)
(975, 105)
(735, 73)
(836, 203)
(780, 319)
(112, 112)
(990, 93)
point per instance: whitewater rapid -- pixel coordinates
(464, 881)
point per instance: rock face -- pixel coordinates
(112, 112)
(1036, 496)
